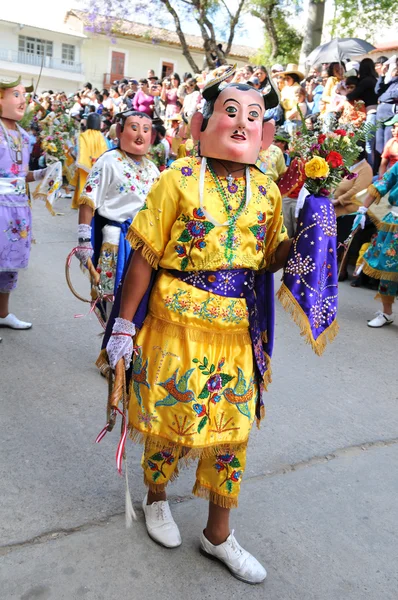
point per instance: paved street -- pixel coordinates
(318, 505)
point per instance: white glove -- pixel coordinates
(360, 218)
(120, 344)
(85, 249)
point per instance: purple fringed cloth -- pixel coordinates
(310, 290)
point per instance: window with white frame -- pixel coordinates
(68, 54)
(35, 46)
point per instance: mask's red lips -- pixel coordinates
(139, 141)
(238, 136)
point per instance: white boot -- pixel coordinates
(381, 319)
(11, 321)
(239, 561)
(160, 524)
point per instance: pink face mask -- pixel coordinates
(12, 103)
(136, 135)
(235, 130)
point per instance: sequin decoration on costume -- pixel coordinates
(228, 465)
(139, 374)
(241, 394)
(17, 230)
(158, 461)
(177, 391)
(106, 267)
(212, 389)
(194, 234)
(181, 302)
(259, 231)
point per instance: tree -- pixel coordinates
(203, 12)
(282, 42)
(313, 28)
(366, 16)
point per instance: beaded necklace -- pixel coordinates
(233, 218)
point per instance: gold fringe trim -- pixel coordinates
(385, 297)
(262, 416)
(379, 274)
(290, 304)
(202, 491)
(157, 488)
(264, 336)
(87, 201)
(381, 226)
(41, 196)
(196, 334)
(136, 242)
(186, 453)
(374, 192)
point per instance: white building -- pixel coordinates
(29, 50)
(68, 55)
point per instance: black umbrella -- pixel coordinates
(339, 49)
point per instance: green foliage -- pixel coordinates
(367, 15)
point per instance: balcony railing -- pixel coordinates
(27, 58)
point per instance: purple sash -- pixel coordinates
(258, 291)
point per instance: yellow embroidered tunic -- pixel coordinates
(193, 379)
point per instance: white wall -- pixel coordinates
(140, 56)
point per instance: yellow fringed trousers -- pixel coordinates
(218, 476)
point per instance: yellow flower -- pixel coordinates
(317, 167)
(23, 233)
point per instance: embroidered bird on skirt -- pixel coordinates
(241, 394)
(177, 392)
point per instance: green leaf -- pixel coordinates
(254, 229)
(212, 369)
(235, 463)
(202, 367)
(226, 378)
(229, 486)
(195, 360)
(206, 372)
(202, 423)
(205, 361)
(184, 263)
(204, 393)
(156, 476)
(208, 226)
(244, 409)
(185, 236)
(157, 457)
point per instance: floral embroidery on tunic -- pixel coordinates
(228, 464)
(194, 234)
(259, 231)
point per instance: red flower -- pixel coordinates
(321, 138)
(334, 159)
(351, 134)
(109, 274)
(341, 132)
(89, 189)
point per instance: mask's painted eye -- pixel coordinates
(254, 114)
(231, 110)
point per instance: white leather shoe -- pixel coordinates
(160, 524)
(11, 321)
(381, 319)
(241, 563)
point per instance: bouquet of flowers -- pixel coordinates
(327, 156)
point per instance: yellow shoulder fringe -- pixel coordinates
(374, 192)
(83, 199)
(290, 304)
(37, 195)
(136, 241)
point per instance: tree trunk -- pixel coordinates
(313, 28)
(185, 49)
(267, 19)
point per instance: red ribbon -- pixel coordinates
(122, 441)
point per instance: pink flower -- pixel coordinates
(14, 169)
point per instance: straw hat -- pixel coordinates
(292, 68)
